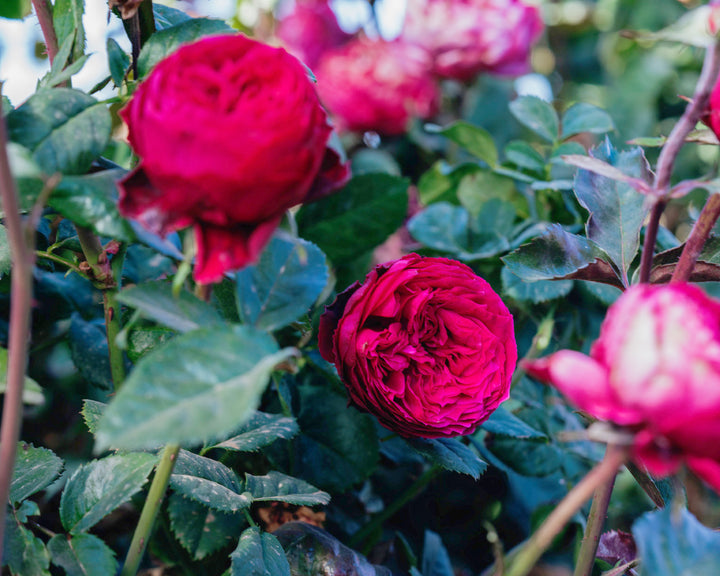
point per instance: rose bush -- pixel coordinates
(655, 369)
(424, 344)
(377, 85)
(230, 133)
(466, 37)
(310, 30)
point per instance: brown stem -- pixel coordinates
(595, 523)
(651, 230)
(540, 541)
(44, 13)
(23, 260)
(698, 236)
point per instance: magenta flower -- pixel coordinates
(423, 344)
(655, 369)
(377, 85)
(466, 37)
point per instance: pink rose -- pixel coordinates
(230, 133)
(712, 114)
(466, 37)
(377, 85)
(310, 30)
(424, 344)
(656, 370)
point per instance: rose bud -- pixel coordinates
(310, 30)
(466, 37)
(377, 86)
(230, 133)
(655, 369)
(423, 344)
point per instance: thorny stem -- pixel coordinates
(23, 260)
(694, 111)
(698, 236)
(150, 510)
(593, 529)
(534, 547)
(44, 13)
(112, 320)
(380, 518)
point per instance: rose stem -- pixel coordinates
(593, 529)
(44, 13)
(530, 552)
(112, 319)
(693, 112)
(379, 519)
(23, 260)
(150, 510)
(698, 236)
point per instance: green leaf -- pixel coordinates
(505, 423)
(208, 482)
(5, 255)
(16, 9)
(289, 277)
(617, 210)
(356, 219)
(91, 201)
(536, 114)
(523, 155)
(82, 554)
(474, 139)
(89, 352)
(35, 469)
(476, 189)
(447, 228)
(436, 560)
(99, 487)
(166, 17)
(370, 161)
(558, 254)
(164, 42)
(199, 529)
(183, 312)
(60, 71)
(333, 462)
(451, 454)
(536, 291)
(198, 386)
(65, 129)
(27, 174)
(91, 413)
(259, 431)
(672, 544)
(25, 554)
(277, 487)
(118, 61)
(68, 21)
(582, 117)
(142, 341)
(32, 393)
(259, 554)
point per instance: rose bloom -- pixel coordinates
(377, 86)
(230, 133)
(423, 344)
(655, 369)
(310, 30)
(466, 37)
(712, 114)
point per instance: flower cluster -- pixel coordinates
(424, 344)
(655, 370)
(230, 133)
(380, 85)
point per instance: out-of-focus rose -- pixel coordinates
(231, 134)
(655, 369)
(423, 344)
(712, 114)
(466, 37)
(310, 30)
(377, 85)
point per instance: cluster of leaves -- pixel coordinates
(237, 381)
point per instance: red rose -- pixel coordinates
(231, 134)
(310, 30)
(655, 369)
(466, 37)
(377, 85)
(424, 344)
